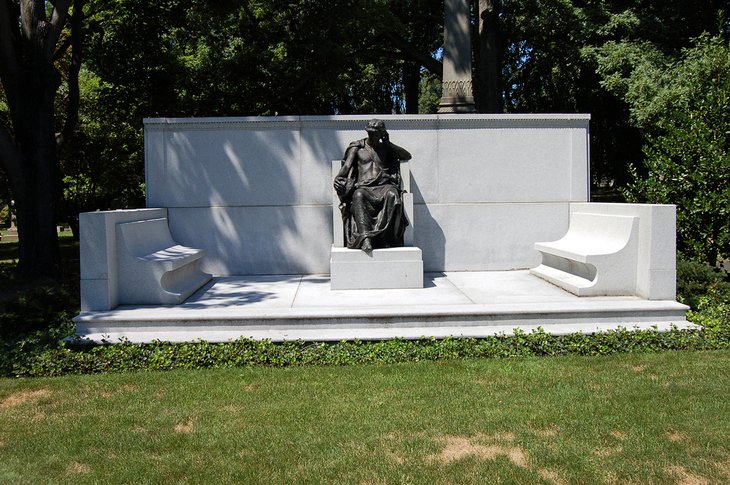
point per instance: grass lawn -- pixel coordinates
(630, 418)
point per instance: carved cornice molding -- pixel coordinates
(356, 122)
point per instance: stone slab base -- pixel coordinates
(473, 304)
(136, 333)
(391, 268)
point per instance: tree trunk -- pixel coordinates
(37, 201)
(488, 57)
(28, 37)
(411, 84)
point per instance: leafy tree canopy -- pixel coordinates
(684, 109)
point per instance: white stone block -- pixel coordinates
(96, 294)
(579, 165)
(353, 269)
(487, 236)
(225, 167)
(660, 285)
(93, 250)
(98, 249)
(504, 165)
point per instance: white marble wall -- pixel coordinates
(256, 192)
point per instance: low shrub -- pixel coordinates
(126, 356)
(699, 283)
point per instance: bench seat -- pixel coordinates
(597, 256)
(153, 269)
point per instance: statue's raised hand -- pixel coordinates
(340, 183)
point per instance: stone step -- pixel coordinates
(567, 281)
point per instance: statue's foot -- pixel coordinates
(367, 246)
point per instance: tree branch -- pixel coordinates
(89, 25)
(58, 21)
(8, 41)
(9, 46)
(62, 49)
(32, 12)
(412, 54)
(72, 110)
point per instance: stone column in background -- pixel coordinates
(457, 94)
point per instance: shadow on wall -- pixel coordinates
(428, 235)
(238, 194)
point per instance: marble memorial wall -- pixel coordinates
(256, 192)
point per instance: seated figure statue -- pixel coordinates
(369, 188)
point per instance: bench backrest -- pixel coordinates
(607, 233)
(145, 237)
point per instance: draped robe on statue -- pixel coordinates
(373, 208)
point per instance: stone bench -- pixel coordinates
(153, 269)
(597, 257)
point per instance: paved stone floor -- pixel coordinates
(304, 307)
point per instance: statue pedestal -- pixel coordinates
(354, 269)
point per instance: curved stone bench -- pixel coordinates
(597, 256)
(153, 269)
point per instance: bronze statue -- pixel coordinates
(369, 188)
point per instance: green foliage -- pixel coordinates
(264, 58)
(629, 70)
(198, 58)
(700, 285)
(33, 322)
(713, 311)
(685, 110)
(707, 291)
(75, 359)
(172, 58)
(36, 315)
(104, 167)
(556, 54)
(430, 94)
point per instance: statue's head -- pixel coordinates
(375, 126)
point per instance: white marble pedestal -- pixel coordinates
(354, 269)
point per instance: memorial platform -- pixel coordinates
(296, 307)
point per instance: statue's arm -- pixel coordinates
(400, 152)
(347, 163)
(340, 181)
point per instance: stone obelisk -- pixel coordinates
(457, 96)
